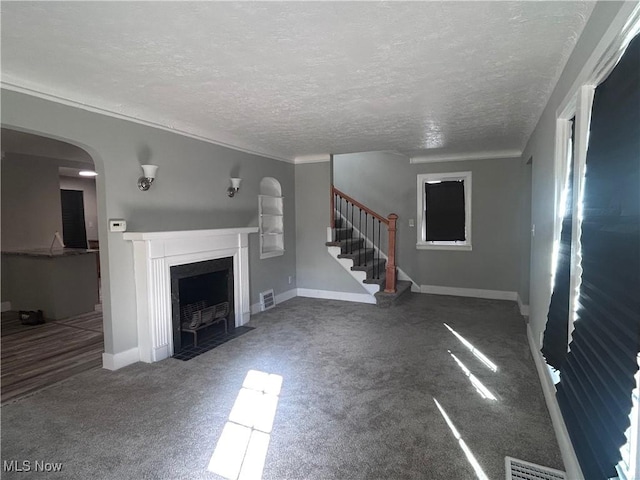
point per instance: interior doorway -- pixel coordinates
(50, 263)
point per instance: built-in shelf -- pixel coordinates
(271, 218)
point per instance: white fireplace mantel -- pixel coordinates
(154, 253)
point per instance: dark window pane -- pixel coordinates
(445, 211)
(74, 232)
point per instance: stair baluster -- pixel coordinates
(352, 206)
(362, 240)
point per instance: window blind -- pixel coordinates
(597, 377)
(445, 211)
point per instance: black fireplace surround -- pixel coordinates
(201, 302)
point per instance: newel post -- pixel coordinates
(390, 286)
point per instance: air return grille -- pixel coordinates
(267, 300)
(521, 470)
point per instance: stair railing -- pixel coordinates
(365, 221)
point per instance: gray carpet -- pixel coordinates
(357, 399)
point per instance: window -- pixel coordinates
(560, 315)
(599, 371)
(444, 211)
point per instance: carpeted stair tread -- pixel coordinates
(342, 233)
(377, 281)
(385, 300)
(359, 255)
(372, 267)
(347, 244)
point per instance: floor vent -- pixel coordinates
(521, 470)
(267, 300)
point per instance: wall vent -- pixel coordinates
(267, 300)
(521, 470)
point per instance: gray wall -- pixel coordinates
(315, 268)
(31, 211)
(524, 214)
(386, 183)
(88, 188)
(189, 193)
(541, 146)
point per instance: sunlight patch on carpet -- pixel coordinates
(470, 457)
(478, 385)
(242, 447)
(477, 353)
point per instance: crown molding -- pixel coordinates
(141, 121)
(312, 159)
(460, 157)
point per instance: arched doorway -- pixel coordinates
(48, 202)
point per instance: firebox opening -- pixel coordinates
(202, 302)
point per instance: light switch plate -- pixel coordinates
(412, 222)
(117, 225)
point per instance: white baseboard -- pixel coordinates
(524, 309)
(5, 306)
(115, 361)
(280, 298)
(331, 295)
(469, 292)
(571, 465)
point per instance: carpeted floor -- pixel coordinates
(357, 400)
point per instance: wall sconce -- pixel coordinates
(146, 180)
(235, 186)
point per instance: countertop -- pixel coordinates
(47, 253)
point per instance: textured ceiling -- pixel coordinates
(303, 78)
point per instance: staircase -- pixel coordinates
(356, 244)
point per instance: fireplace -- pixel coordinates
(201, 302)
(155, 254)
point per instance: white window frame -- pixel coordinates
(423, 179)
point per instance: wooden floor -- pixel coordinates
(33, 357)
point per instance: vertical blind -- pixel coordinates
(556, 334)
(597, 376)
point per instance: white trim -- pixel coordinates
(567, 452)
(102, 111)
(524, 309)
(331, 295)
(5, 306)
(115, 361)
(583, 125)
(605, 55)
(193, 234)
(280, 298)
(461, 157)
(469, 292)
(423, 178)
(442, 246)
(312, 159)
(154, 253)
